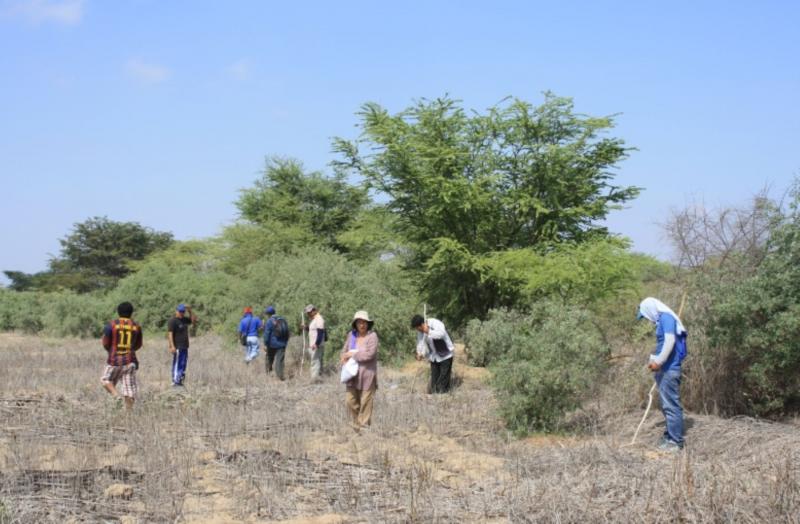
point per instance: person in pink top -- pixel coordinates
(361, 345)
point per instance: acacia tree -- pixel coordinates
(95, 255)
(288, 197)
(464, 185)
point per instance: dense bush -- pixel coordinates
(594, 272)
(63, 313)
(756, 325)
(21, 311)
(157, 288)
(543, 362)
(287, 281)
(338, 288)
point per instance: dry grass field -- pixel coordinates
(236, 447)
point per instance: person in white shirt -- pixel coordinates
(316, 339)
(434, 343)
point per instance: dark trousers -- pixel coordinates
(440, 376)
(179, 361)
(276, 356)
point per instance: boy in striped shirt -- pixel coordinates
(121, 339)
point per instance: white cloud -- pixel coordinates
(240, 69)
(146, 73)
(66, 12)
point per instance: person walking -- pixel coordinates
(665, 362)
(249, 327)
(316, 339)
(178, 339)
(362, 346)
(433, 343)
(276, 337)
(122, 338)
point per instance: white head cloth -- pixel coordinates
(651, 307)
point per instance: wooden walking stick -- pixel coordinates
(653, 387)
(303, 336)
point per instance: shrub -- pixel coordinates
(21, 311)
(63, 313)
(543, 362)
(338, 288)
(157, 288)
(81, 315)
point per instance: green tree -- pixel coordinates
(95, 255)
(288, 197)
(754, 323)
(100, 250)
(21, 281)
(466, 185)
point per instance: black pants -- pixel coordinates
(275, 355)
(440, 376)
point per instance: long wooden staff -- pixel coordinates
(303, 336)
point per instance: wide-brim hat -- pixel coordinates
(362, 315)
(309, 308)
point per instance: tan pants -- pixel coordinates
(360, 405)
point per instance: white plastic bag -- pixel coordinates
(349, 370)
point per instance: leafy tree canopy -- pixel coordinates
(287, 196)
(756, 321)
(95, 255)
(463, 186)
(513, 177)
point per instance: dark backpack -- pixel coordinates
(280, 329)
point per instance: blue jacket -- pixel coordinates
(250, 325)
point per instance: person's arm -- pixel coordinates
(268, 330)
(316, 329)
(422, 347)
(138, 339)
(669, 326)
(370, 350)
(106, 340)
(669, 344)
(170, 338)
(192, 316)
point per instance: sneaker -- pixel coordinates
(669, 446)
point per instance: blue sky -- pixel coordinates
(174, 105)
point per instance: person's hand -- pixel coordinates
(417, 356)
(172, 349)
(313, 347)
(653, 366)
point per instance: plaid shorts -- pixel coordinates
(126, 374)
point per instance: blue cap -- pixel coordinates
(181, 308)
(270, 310)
